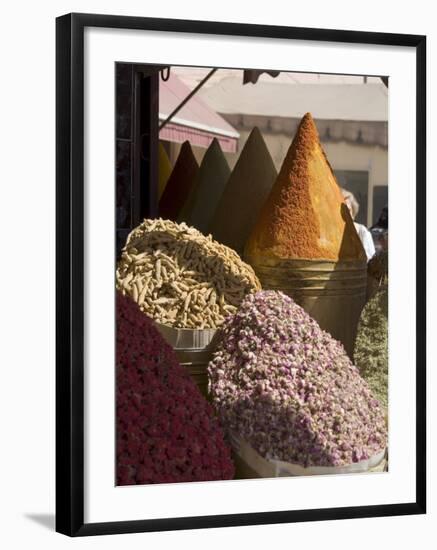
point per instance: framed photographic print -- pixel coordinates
(235, 344)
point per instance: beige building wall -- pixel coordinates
(371, 158)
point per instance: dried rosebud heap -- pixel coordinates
(288, 388)
(166, 430)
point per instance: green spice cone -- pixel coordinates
(371, 346)
(246, 190)
(207, 190)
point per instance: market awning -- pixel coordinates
(195, 122)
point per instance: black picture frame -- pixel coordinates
(70, 273)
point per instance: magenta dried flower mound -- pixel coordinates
(166, 430)
(288, 388)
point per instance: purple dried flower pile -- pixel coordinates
(166, 430)
(289, 389)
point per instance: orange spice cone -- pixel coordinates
(305, 216)
(305, 244)
(179, 184)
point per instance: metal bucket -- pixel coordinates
(194, 349)
(332, 293)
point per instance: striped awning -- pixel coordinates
(195, 122)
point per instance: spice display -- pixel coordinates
(304, 215)
(182, 278)
(179, 183)
(207, 190)
(288, 388)
(246, 190)
(166, 430)
(164, 169)
(371, 347)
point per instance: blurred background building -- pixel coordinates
(351, 113)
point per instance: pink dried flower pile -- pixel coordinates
(288, 388)
(166, 430)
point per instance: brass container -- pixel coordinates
(332, 293)
(194, 349)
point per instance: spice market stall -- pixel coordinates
(253, 282)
